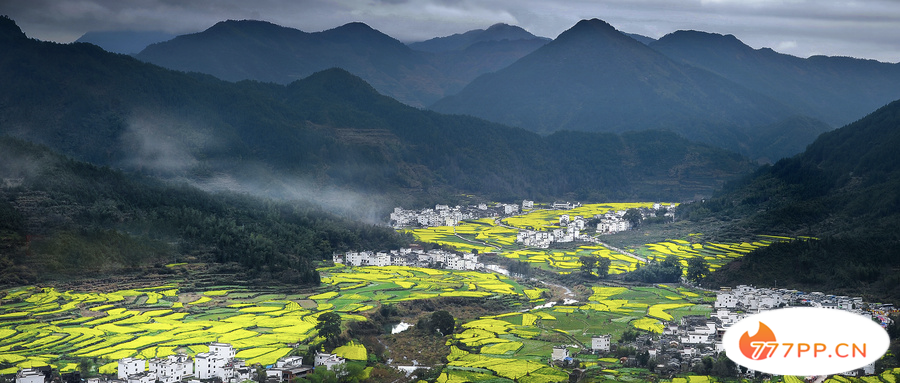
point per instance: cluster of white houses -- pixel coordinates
(685, 342)
(218, 363)
(411, 257)
(444, 215)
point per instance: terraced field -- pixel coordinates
(484, 235)
(43, 326)
(716, 254)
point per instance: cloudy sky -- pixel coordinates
(860, 28)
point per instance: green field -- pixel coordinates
(484, 235)
(44, 326)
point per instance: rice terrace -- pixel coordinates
(533, 317)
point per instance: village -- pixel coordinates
(415, 257)
(685, 343)
(571, 227)
(682, 346)
(219, 364)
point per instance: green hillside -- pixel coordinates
(62, 219)
(844, 190)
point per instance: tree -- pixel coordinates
(634, 216)
(329, 327)
(85, 366)
(443, 322)
(603, 265)
(587, 264)
(697, 269)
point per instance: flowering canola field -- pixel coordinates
(41, 326)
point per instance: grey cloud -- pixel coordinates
(865, 28)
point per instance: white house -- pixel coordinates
(726, 300)
(600, 343)
(559, 353)
(29, 375)
(526, 204)
(130, 366)
(330, 361)
(219, 362)
(142, 377)
(172, 368)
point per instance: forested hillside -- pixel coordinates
(61, 218)
(844, 190)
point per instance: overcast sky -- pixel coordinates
(861, 28)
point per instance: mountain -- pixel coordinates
(257, 50)
(329, 137)
(461, 41)
(63, 219)
(247, 49)
(641, 38)
(844, 190)
(594, 78)
(836, 90)
(124, 42)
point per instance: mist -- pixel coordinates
(181, 150)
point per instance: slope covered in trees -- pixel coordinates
(64, 218)
(844, 190)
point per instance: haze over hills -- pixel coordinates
(594, 78)
(329, 137)
(256, 50)
(124, 42)
(837, 90)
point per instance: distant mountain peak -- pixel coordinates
(700, 37)
(590, 29)
(356, 26)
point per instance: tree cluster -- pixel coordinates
(590, 263)
(667, 271)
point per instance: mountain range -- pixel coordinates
(836, 90)
(247, 49)
(329, 137)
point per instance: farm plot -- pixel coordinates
(51, 327)
(508, 345)
(716, 254)
(549, 219)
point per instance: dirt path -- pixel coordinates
(618, 250)
(474, 242)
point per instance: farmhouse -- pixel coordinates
(559, 353)
(130, 366)
(288, 368)
(30, 375)
(600, 343)
(330, 361)
(172, 368)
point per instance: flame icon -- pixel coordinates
(756, 347)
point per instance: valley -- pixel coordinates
(227, 205)
(506, 327)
